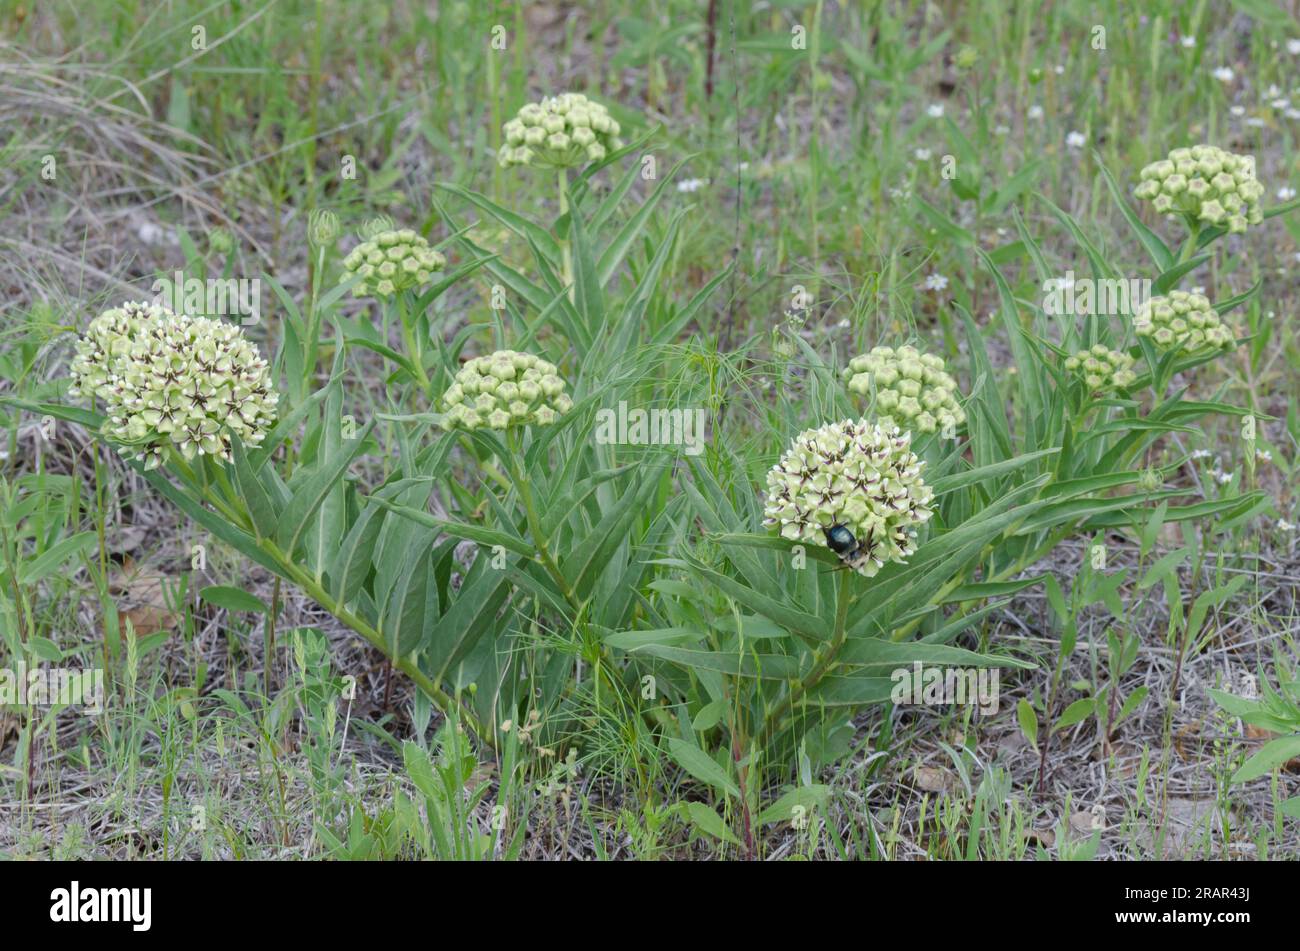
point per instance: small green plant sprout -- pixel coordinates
(173, 384)
(563, 131)
(1101, 369)
(1183, 321)
(913, 390)
(505, 389)
(1207, 186)
(855, 476)
(1274, 714)
(391, 262)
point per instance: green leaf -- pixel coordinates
(1274, 754)
(1028, 720)
(50, 561)
(709, 821)
(1075, 712)
(732, 663)
(233, 599)
(806, 798)
(521, 226)
(614, 253)
(312, 492)
(1159, 252)
(700, 765)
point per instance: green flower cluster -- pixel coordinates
(860, 475)
(168, 380)
(560, 132)
(1183, 321)
(1207, 183)
(505, 389)
(391, 262)
(913, 389)
(1102, 368)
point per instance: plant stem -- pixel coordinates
(773, 721)
(566, 252)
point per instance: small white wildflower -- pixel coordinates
(1059, 70)
(1263, 455)
(935, 282)
(1255, 122)
(1292, 113)
(1272, 92)
(922, 155)
(1281, 103)
(1076, 140)
(1188, 42)
(1284, 525)
(1222, 477)
(1237, 111)
(1201, 454)
(689, 185)
(1285, 193)
(1001, 130)
(1224, 74)
(935, 111)
(1035, 112)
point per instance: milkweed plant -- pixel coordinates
(737, 608)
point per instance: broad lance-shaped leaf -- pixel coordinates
(516, 223)
(1159, 252)
(312, 492)
(700, 765)
(591, 556)
(875, 652)
(403, 622)
(261, 509)
(809, 627)
(733, 663)
(470, 616)
(613, 255)
(490, 537)
(52, 559)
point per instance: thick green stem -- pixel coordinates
(566, 252)
(822, 666)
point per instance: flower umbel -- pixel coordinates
(505, 389)
(1206, 183)
(913, 390)
(1183, 321)
(391, 262)
(1102, 369)
(859, 475)
(168, 380)
(560, 132)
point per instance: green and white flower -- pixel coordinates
(913, 390)
(1102, 369)
(1183, 321)
(171, 382)
(860, 475)
(505, 389)
(560, 132)
(1214, 187)
(391, 262)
